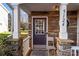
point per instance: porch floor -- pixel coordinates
(39, 53)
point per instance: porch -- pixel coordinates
(59, 37)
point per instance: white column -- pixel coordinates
(16, 27)
(63, 22)
(12, 22)
(71, 52)
(74, 52)
(78, 28)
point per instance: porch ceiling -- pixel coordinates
(47, 6)
(38, 6)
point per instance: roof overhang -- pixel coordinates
(4, 7)
(48, 6)
(29, 7)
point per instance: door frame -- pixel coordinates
(46, 29)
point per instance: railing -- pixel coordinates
(63, 47)
(74, 50)
(51, 46)
(9, 37)
(12, 46)
(26, 46)
(66, 52)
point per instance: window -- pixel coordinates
(39, 26)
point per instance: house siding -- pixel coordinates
(53, 23)
(3, 19)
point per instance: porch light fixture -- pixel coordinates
(55, 8)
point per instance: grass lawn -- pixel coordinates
(24, 33)
(4, 35)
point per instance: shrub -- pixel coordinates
(3, 44)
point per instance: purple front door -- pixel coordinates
(39, 31)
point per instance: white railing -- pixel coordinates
(26, 47)
(74, 50)
(65, 52)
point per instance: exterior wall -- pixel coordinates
(78, 28)
(72, 29)
(53, 23)
(3, 19)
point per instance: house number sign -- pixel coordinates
(63, 17)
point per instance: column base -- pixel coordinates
(63, 35)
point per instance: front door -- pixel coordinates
(39, 32)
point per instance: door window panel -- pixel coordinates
(39, 26)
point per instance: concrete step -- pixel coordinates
(39, 53)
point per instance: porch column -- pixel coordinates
(16, 27)
(63, 22)
(75, 52)
(78, 28)
(12, 22)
